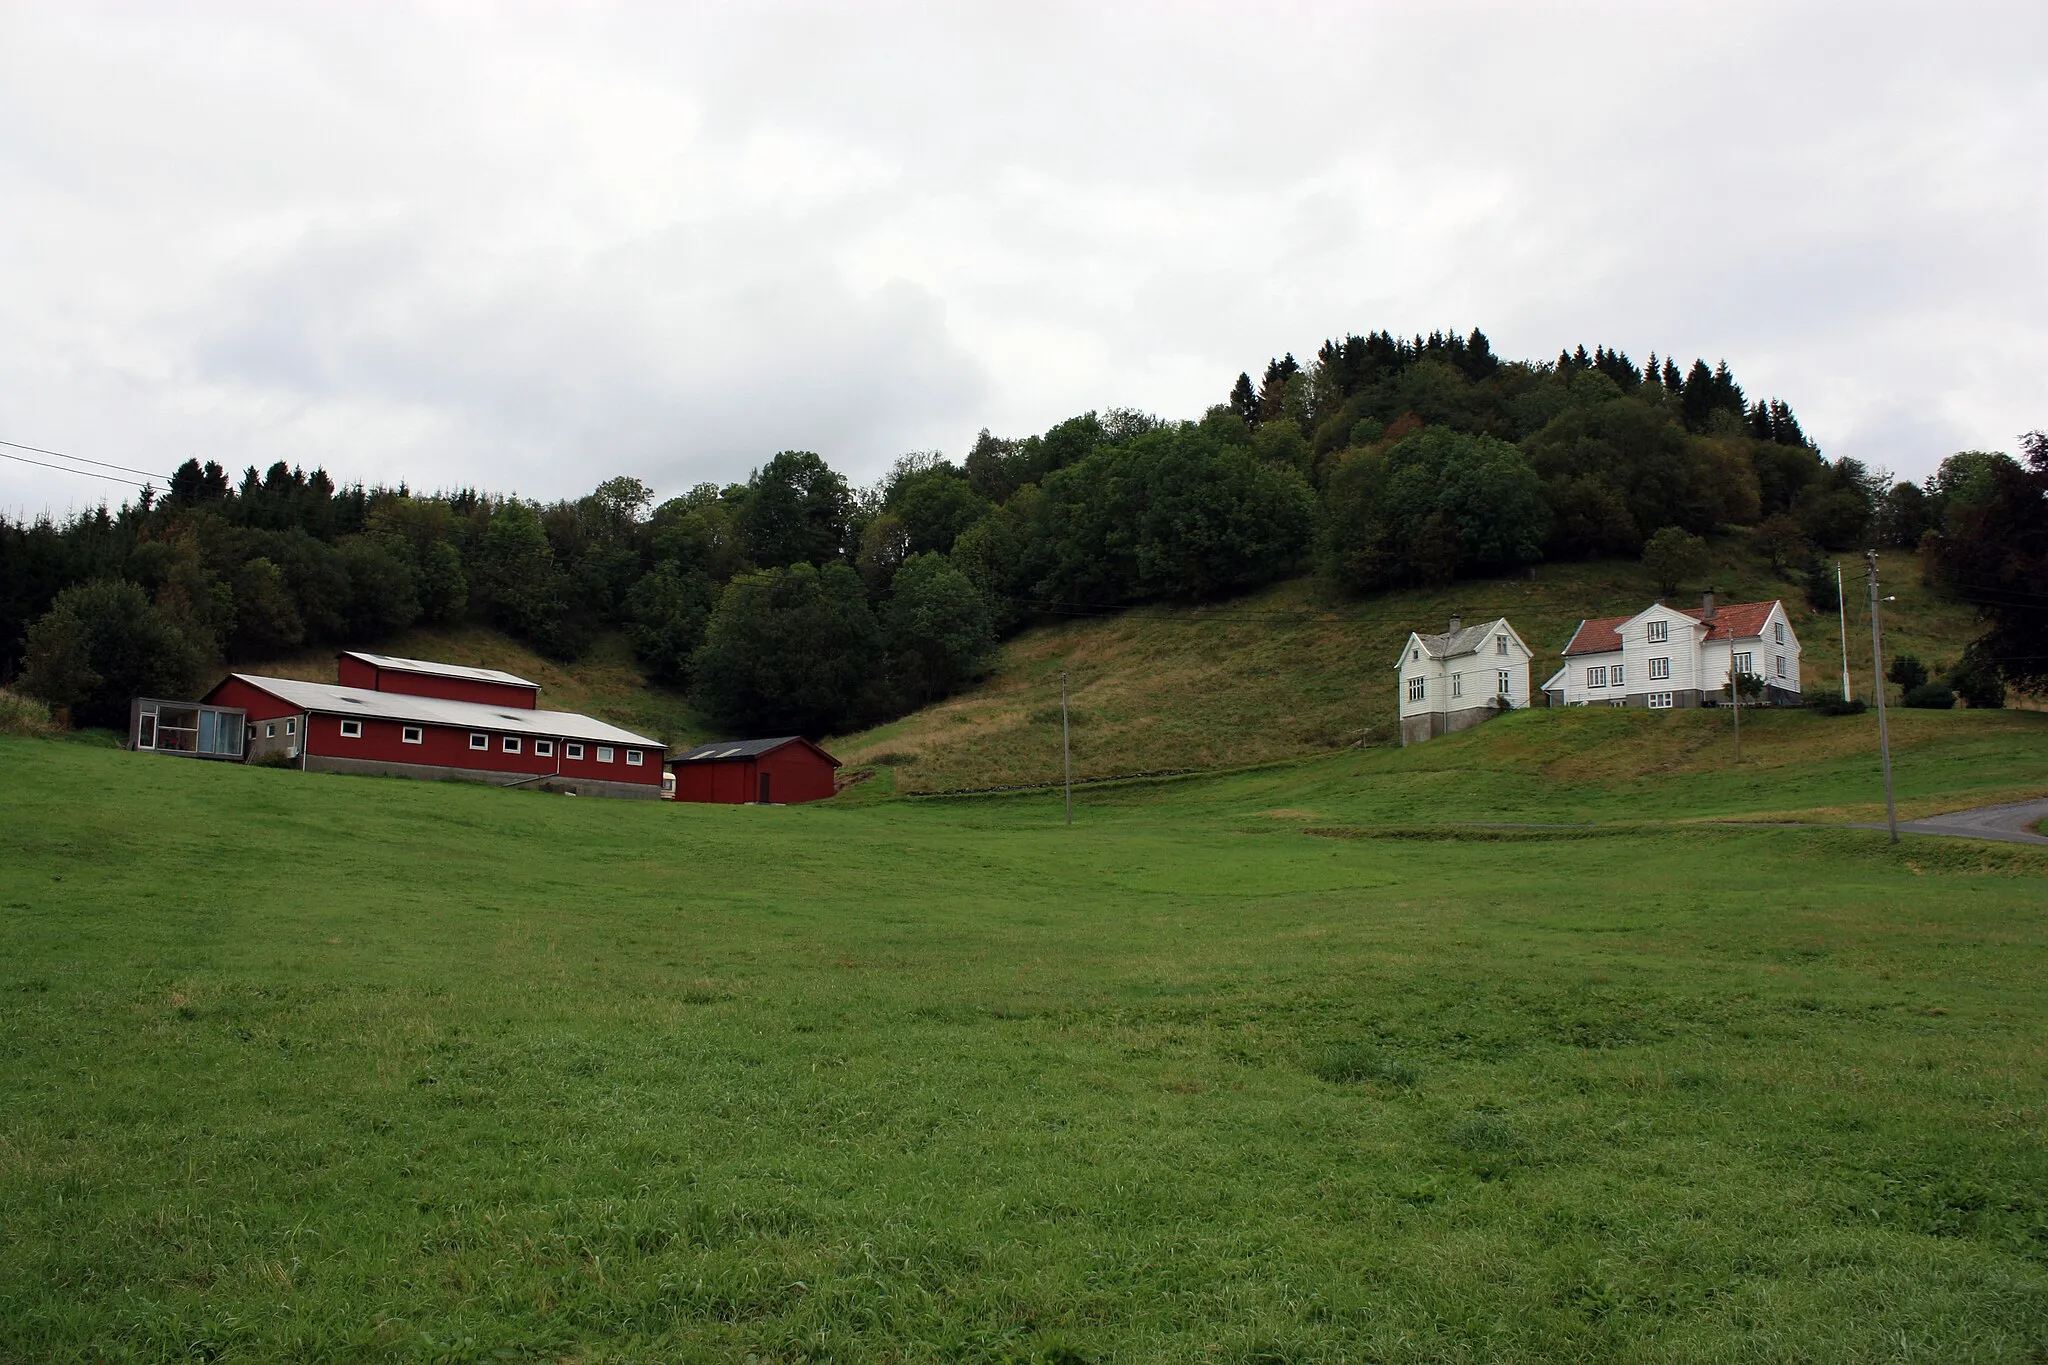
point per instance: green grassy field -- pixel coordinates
(1265, 1067)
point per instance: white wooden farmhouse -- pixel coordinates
(1663, 657)
(1455, 680)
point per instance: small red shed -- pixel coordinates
(736, 772)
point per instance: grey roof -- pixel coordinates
(330, 700)
(741, 748)
(432, 669)
(1452, 643)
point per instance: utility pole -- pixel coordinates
(1065, 743)
(1735, 696)
(1884, 736)
(1842, 619)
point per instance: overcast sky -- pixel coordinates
(527, 247)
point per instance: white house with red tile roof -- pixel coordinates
(1663, 657)
(1457, 679)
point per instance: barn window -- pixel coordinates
(413, 734)
(270, 730)
(543, 748)
(351, 729)
(511, 744)
(604, 755)
(633, 755)
(575, 750)
(479, 741)
(291, 727)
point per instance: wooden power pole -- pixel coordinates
(1067, 747)
(1884, 735)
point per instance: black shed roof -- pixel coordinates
(736, 749)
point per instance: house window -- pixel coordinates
(575, 750)
(1596, 677)
(511, 744)
(1779, 632)
(351, 729)
(1500, 644)
(1781, 665)
(479, 741)
(1506, 685)
(1660, 669)
(1660, 701)
(1414, 656)
(413, 734)
(543, 748)
(1658, 632)
(1745, 663)
(1417, 689)
(604, 755)
(1614, 676)
(291, 727)
(632, 758)
(1457, 684)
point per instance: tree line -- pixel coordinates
(794, 601)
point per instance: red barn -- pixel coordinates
(769, 771)
(393, 730)
(420, 678)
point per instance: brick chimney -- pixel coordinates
(1707, 606)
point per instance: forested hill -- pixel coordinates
(795, 601)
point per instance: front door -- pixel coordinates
(764, 789)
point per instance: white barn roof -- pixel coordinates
(330, 700)
(434, 670)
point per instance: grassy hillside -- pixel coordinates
(475, 1074)
(606, 682)
(1289, 671)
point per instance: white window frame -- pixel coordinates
(633, 757)
(543, 748)
(1744, 662)
(1660, 701)
(1418, 688)
(270, 730)
(1507, 683)
(413, 734)
(291, 726)
(510, 744)
(1500, 644)
(1457, 684)
(1657, 632)
(351, 729)
(604, 753)
(574, 750)
(1614, 675)
(479, 740)
(1660, 669)
(1596, 675)
(1779, 632)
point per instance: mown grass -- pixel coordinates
(317, 1067)
(1292, 671)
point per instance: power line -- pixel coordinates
(67, 469)
(125, 469)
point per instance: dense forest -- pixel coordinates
(795, 601)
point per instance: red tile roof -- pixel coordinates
(1736, 621)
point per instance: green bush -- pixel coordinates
(1931, 696)
(1832, 704)
(21, 715)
